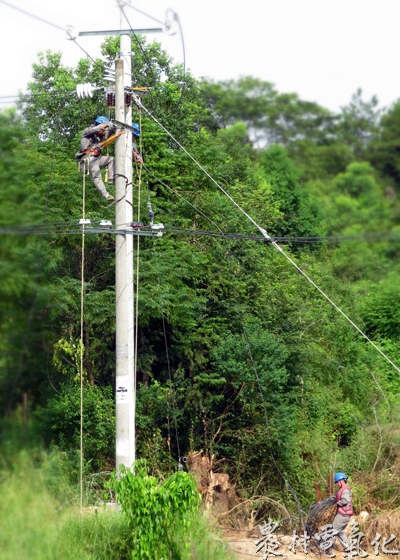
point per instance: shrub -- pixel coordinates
(155, 510)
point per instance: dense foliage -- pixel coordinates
(155, 511)
(219, 319)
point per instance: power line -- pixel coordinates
(66, 29)
(150, 65)
(180, 196)
(335, 306)
(73, 227)
(73, 39)
(267, 237)
(32, 15)
(44, 94)
(263, 231)
(145, 14)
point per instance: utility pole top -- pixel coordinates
(120, 32)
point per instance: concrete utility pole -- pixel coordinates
(125, 382)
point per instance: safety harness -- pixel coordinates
(344, 510)
(82, 158)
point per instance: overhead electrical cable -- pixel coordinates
(73, 39)
(268, 238)
(176, 18)
(335, 306)
(32, 15)
(146, 58)
(182, 198)
(263, 231)
(145, 14)
(66, 29)
(72, 227)
(8, 98)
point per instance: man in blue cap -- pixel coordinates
(344, 502)
(91, 152)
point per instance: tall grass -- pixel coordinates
(37, 523)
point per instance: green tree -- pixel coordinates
(299, 213)
(384, 154)
(271, 117)
(359, 122)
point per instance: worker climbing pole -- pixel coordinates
(90, 158)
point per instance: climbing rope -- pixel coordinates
(137, 257)
(81, 343)
(138, 253)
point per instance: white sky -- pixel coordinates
(321, 49)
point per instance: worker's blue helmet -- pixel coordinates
(101, 120)
(136, 129)
(340, 476)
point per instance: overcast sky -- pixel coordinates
(321, 49)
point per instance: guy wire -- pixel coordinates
(268, 238)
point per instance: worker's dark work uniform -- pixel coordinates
(91, 137)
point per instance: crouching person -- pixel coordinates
(90, 158)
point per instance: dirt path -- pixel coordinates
(244, 548)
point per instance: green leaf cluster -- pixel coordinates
(154, 510)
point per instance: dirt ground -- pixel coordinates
(244, 548)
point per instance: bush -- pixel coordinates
(59, 423)
(155, 510)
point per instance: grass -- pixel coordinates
(35, 524)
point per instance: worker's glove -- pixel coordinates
(137, 158)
